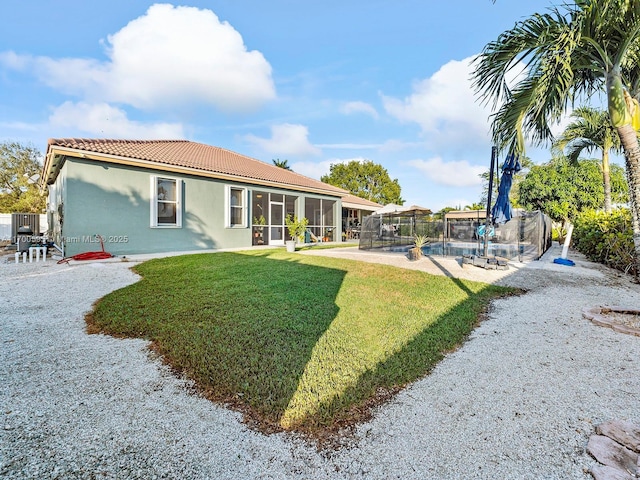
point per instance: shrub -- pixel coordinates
(296, 226)
(420, 240)
(607, 239)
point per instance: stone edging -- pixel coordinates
(597, 316)
(615, 446)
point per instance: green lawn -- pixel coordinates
(296, 342)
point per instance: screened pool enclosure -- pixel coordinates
(524, 238)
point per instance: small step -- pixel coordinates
(488, 263)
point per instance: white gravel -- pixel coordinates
(518, 400)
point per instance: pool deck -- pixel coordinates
(453, 266)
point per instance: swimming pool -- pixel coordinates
(510, 251)
(458, 249)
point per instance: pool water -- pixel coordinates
(459, 249)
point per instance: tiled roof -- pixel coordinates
(360, 202)
(195, 156)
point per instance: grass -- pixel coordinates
(296, 342)
(326, 246)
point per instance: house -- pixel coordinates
(175, 195)
(354, 209)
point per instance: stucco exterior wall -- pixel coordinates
(56, 206)
(114, 201)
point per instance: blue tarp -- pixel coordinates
(482, 228)
(501, 211)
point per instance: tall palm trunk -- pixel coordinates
(606, 179)
(629, 141)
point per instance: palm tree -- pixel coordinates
(281, 163)
(569, 53)
(475, 206)
(590, 130)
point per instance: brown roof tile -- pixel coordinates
(197, 156)
(352, 199)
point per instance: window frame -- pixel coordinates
(153, 183)
(243, 207)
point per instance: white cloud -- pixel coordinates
(168, 57)
(443, 101)
(398, 145)
(454, 174)
(14, 61)
(106, 121)
(350, 146)
(286, 139)
(452, 118)
(359, 107)
(317, 169)
(312, 169)
(32, 127)
(560, 126)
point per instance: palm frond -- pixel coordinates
(517, 48)
(577, 146)
(566, 54)
(590, 130)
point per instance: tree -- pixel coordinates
(562, 189)
(20, 169)
(366, 180)
(571, 52)
(590, 130)
(439, 215)
(281, 163)
(476, 206)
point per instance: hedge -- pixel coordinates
(606, 238)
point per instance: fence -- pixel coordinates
(10, 222)
(525, 237)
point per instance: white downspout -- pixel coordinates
(567, 241)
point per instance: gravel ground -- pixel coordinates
(518, 400)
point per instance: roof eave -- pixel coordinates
(50, 168)
(358, 206)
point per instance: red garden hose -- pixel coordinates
(101, 255)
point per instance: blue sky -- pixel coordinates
(315, 83)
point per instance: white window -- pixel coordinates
(166, 205)
(236, 211)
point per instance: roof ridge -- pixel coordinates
(269, 164)
(51, 141)
(187, 153)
